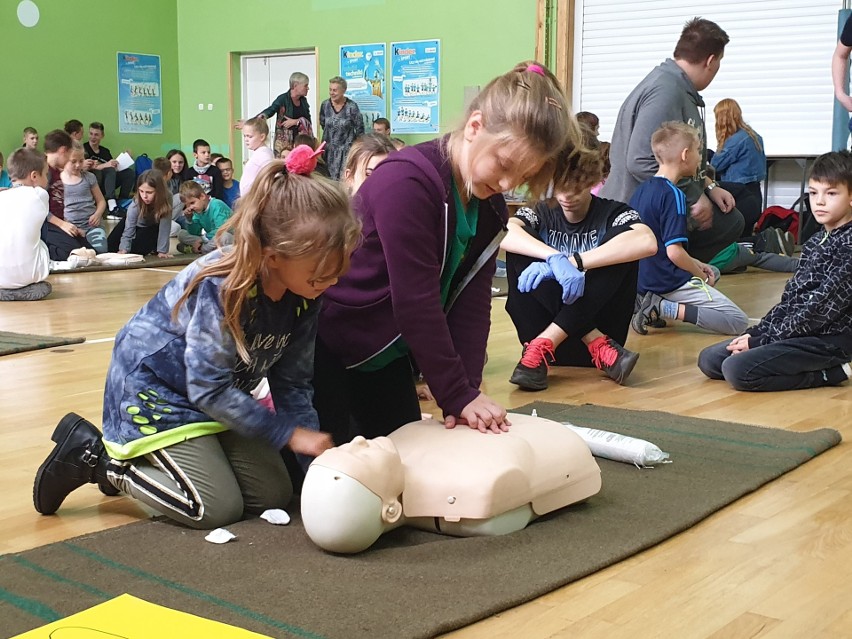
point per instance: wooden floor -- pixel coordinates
(775, 564)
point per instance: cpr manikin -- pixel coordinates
(458, 482)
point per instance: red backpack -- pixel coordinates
(779, 217)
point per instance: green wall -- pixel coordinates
(479, 40)
(65, 67)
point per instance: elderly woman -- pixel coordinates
(341, 122)
(293, 114)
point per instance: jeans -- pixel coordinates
(788, 364)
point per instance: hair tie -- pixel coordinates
(303, 159)
(536, 68)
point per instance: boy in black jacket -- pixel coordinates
(804, 341)
(204, 171)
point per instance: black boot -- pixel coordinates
(78, 458)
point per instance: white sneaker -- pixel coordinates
(111, 204)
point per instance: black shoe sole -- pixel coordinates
(631, 361)
(528, 387)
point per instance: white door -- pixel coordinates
(265, 77)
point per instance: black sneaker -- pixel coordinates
(612, 358)
(647, 314)
(531, 372)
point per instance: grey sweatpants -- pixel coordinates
(716, 312)
(207, 482)
(766, 261)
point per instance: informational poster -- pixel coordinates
(415, 86)
(140, 99)
(363, 68)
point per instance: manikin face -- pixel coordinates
(202, 155)
(252, 138)
(177, 163)
(95, 136)
(75, 163)
(146, 193)
(31, 140)
(492, 167)
(831, 204)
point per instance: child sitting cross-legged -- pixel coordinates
(581, 244)
(672, 284)
(203, 213)
(804, 341)
(24, 259)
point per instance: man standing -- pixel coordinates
(670, 93)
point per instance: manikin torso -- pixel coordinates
(458, 482)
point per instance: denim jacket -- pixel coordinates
(740, 160)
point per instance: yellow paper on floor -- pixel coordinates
(128, 617)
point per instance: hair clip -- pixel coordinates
(303, 159)
(552, 102)
(536, 68)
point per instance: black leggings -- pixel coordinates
(749, 202)
(144, 243)
(372, 404)
(59, 243)
(606, 305)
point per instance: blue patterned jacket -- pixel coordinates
(172, 381)
(817, 300)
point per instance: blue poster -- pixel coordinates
(363, 68)
(415, 86)
(140, 100)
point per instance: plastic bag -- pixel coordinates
(620, 448)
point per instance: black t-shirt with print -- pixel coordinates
(551, 227)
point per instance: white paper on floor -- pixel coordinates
(276, 516)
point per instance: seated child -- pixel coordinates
(804, 341)
(84, 203)
(582, 237)
(5, 181)
(204, 171)
(771, 250)
(63, 239)
(24, 260)
(146, 227)
(203, 213)
(672, 284)
(231, 190)
(177, 164)
(30, 139)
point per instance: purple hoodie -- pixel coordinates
(393, 286)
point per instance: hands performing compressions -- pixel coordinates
(556, 267)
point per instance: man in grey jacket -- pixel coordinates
(670, 92)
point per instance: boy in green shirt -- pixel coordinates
(203, 213)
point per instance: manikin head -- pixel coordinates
(351, 495)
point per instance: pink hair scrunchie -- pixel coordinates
(303, 159)
(536, 68)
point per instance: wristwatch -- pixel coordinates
(710, 186)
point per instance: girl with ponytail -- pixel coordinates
(181, 431)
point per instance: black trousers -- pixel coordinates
(606, 305)
(749, 202)
(788, 364)
(144, 243)
(59, 243)
(372, 404)
(108, 179)
(726, 229)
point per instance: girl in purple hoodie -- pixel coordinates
(420, 283)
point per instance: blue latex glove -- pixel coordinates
(533, 275)
(573, 282)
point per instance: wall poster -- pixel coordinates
(140, 100)
(415, 86)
